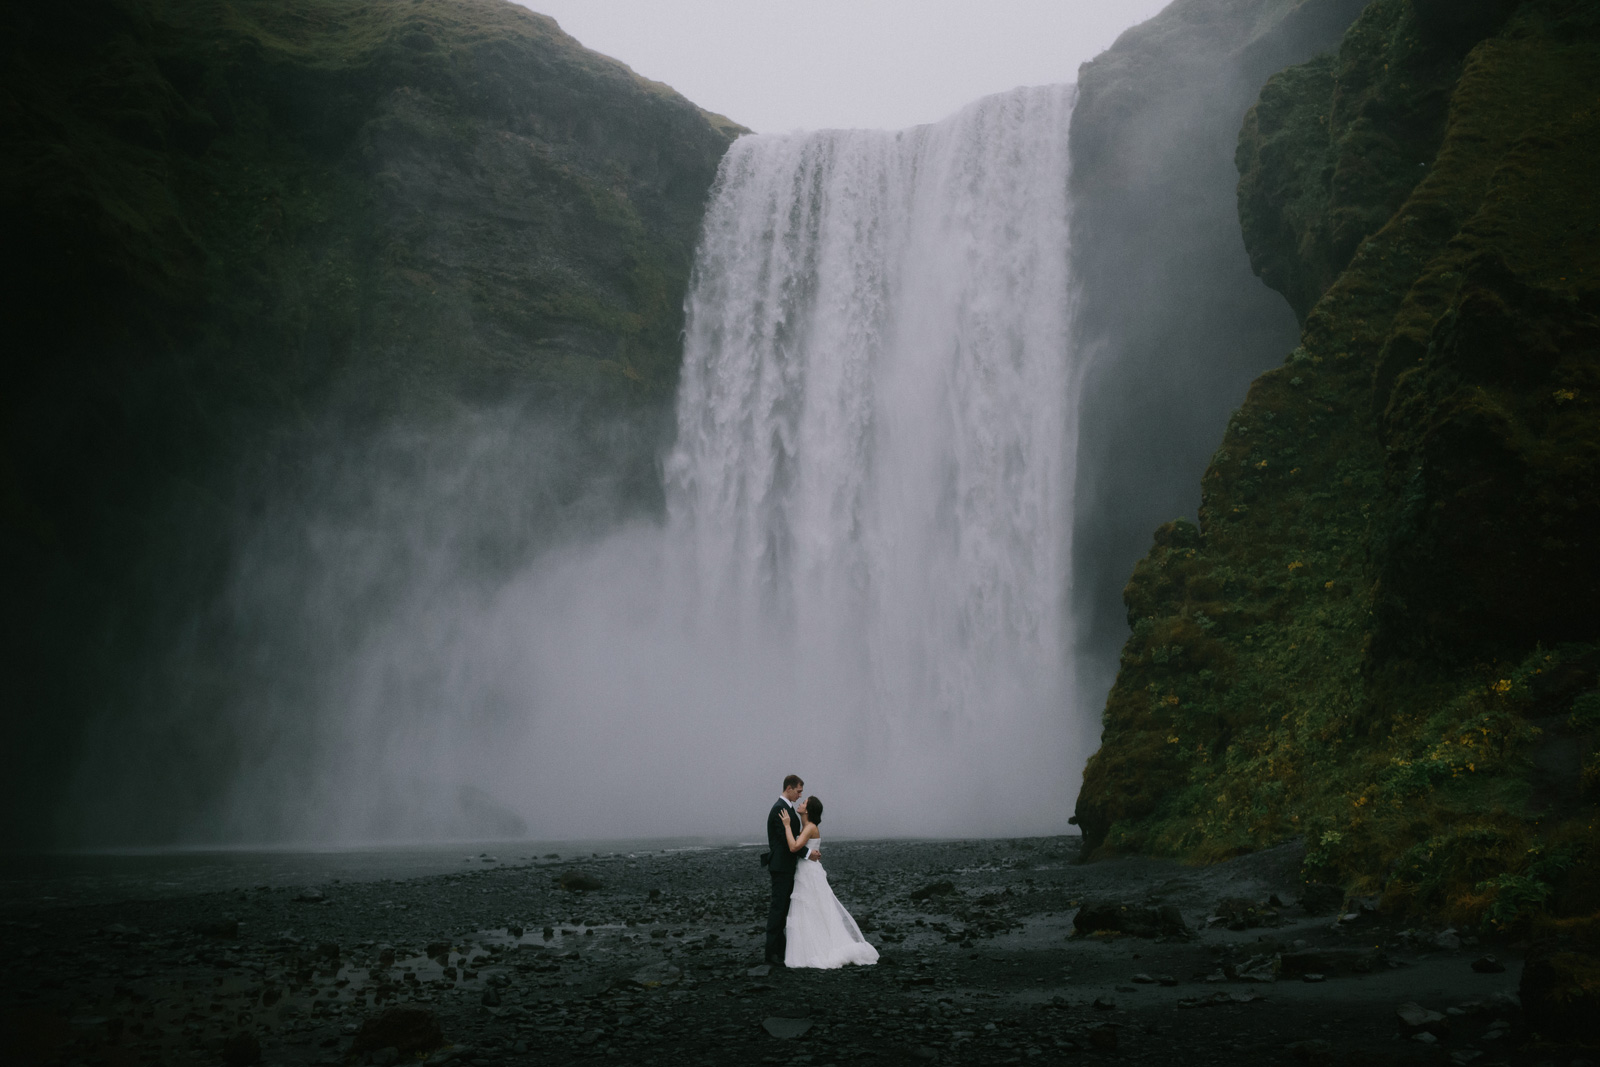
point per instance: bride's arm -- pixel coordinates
(798, 843)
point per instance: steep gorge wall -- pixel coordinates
(1174, 322)
(247, 238)
(1381, 634)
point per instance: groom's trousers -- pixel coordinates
(778, 914)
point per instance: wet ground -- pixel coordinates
(659, 965)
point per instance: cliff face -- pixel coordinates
(242, 234)
(1381, 635)
(1175, 322)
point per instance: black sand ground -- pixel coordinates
(659, 966)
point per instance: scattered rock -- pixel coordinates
(1313, 978)
(437, 949)
(759, 971)
(1320, 898)
(406, 1028)
(1104, 1004)
(1143, 979)
(1447, 941)
(1488, 965)
(490, 998)
(310, 896)
(785, 1029)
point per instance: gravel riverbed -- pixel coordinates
(658, 963)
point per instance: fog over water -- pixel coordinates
(861, 574)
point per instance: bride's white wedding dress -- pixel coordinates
(820, 931)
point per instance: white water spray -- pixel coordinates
(874, 465)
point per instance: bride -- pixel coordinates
(820, 932)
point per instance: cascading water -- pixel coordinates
(862, 576)
(874, 463)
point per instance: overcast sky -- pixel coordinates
(777, 65)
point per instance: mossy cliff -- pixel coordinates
(243, 232)
(1381, 635)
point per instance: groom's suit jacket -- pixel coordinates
(783, 861)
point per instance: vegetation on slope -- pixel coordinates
(1382, 634)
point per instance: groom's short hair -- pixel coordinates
(792, 781)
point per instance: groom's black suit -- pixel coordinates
(782, 869)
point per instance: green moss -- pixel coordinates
(1395, 553)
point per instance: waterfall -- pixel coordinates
(861, 575)
(876, 425)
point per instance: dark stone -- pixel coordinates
(490, 998)
(578, 882)
(936, 889)
(241, 1050)
(1488, 965)
(1103, 1036)
(406, 1028)
(1415, 1019)
(437, 949)
(785, 1029)
(310, 896)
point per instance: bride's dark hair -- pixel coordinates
(814, 810)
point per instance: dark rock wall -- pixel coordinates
(243, 236)
(1175, 322)
(1381, 634)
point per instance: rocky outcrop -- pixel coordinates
(244, 233)
(1380, 634)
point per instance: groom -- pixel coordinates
(782, 866)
